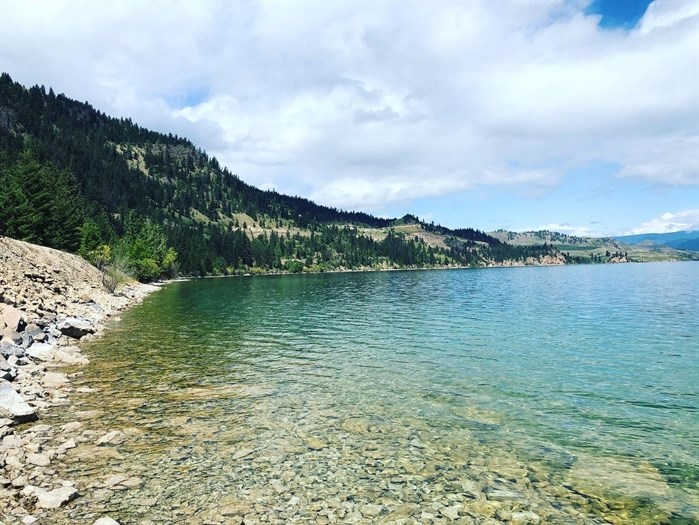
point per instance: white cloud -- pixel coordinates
(685, 220)
(360, 104)
(373, 194)
(663, 160)
(666, 14)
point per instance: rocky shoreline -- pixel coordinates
(50, 301)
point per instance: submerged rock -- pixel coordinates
(54, 379)
(371, 510)
(106, 521)
(55, 498)
(316, 444)
(242, 453)
(524, 518)
(115, 437)
(114, 480)
(450, 512)
(73, 426)
(504, 494)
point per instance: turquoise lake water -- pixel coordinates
(569, 393)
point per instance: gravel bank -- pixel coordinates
(50, 301)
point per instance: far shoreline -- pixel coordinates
(407, 269)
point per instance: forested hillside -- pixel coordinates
(76, 179)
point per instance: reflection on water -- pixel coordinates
(552, 395)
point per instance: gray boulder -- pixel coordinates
(9, 374)
(43, 322)
(76, 328)
(9, 349)
(7, 371)
(10, 336)
(41, 351)
(33, 329)
(12, 405)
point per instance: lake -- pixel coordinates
(560, 394)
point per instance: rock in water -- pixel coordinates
(242, 453)
(315, 443)
(371, 510)
(54, 379)
(76, 328)
(115, 437)
(503, 494)
(56, 498)
(450, 512)
(106, 521)
(13, 406)
(525, 518)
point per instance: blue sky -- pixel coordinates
(618, 13)
(573, 115)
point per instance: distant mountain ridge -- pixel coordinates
(601, 249)
(683, 240)
(691, 244)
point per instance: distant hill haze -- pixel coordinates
(683, 240)
(609, 247)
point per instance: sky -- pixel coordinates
(575, 116)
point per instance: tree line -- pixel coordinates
(153, 204)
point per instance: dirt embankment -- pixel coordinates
(40, 280)
(49, 302)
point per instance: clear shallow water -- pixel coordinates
(569, 392)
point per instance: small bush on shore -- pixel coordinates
(112, 279)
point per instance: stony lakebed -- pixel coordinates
(49, 302)
(137, 437)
